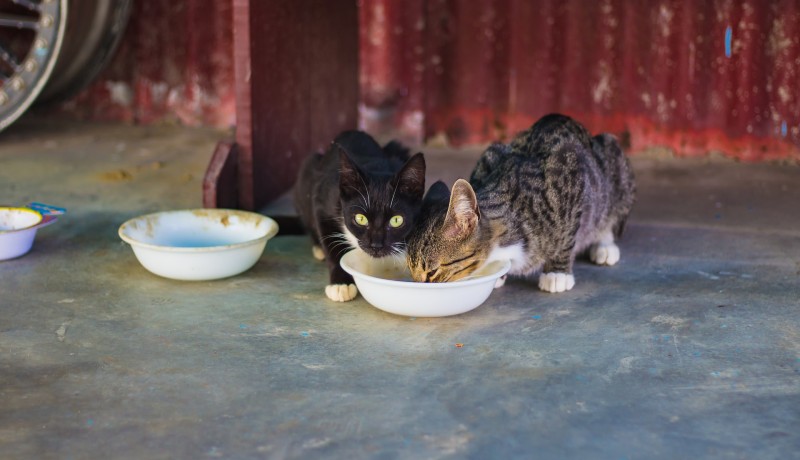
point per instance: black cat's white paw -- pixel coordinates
(604, 253)
(556, 282)
(500, 282)
(317, 252)
(341, 292)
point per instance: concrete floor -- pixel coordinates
(689, 348)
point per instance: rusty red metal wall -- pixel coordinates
(695, 76)
(175, 62)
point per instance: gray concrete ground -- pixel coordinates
(689, 348)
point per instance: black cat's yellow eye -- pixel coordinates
(396, 221)
(361, 219)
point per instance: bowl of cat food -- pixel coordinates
(386, 284)
(198, 244)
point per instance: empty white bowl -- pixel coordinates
(386, 284)
(198, 244)
(17, 231)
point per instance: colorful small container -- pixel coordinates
(18, 227)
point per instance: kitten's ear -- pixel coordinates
(350, 178)
(410, 180)
(462, 214)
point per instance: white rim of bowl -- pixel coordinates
(451, 284)
(272, 232)
(3, 208)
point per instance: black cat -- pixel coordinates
(358, 194)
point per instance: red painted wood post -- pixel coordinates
(220, 183)
(296, 85)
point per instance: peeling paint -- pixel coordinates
(692, 76)
(120, 93)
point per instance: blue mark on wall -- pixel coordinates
(783, 128)
(728, 36)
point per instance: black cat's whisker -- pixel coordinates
(346, 247)
(341, 239)
(340, 247)
(335, 219)
(391, 203)
(398, 252)
(337, 239)
(363, 198)
(366, 189)
(399, 256)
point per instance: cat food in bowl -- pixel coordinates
(17, 231)
(386, 284)
(198, 244)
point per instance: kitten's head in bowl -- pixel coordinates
(448, 243)
(379, 210)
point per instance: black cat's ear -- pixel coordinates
(439, 191)
(462, 213)
(350, 178)
(410, 180)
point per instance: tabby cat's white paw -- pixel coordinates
(500, 281)
(341, 292)
(316, 251)
(556, 282)
(604, 253)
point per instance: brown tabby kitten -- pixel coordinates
(551, 193)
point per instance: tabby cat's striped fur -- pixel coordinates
(552, 192)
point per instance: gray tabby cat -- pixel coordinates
(551, 193)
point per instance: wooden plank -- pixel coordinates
(220, 183)
(243, 91)
(297, 87)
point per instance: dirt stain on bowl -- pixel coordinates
(214, 215)
(147, 224)
(224, 217)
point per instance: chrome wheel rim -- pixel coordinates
(31, 34)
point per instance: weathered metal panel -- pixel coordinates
(695, 76)
(175, 62)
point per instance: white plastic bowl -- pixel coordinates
(386, 284)
(17, 231)
(198, 244)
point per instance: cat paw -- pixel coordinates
(604, 253)
(556, 282)
(341, 292)
(316, 251)
(500, 281)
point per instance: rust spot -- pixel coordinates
(119, 175)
